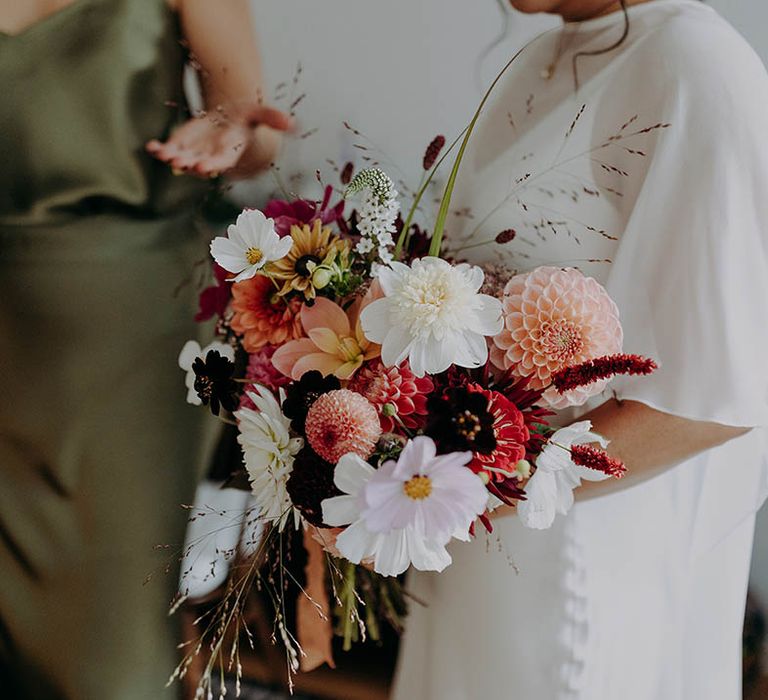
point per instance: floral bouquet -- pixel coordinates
(387, 401)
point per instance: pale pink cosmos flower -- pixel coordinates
(436, 494)
(404, 513)
(555, 318)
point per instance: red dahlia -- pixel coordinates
(511, 434)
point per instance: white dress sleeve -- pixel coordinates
(691, 273)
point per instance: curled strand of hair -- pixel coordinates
(607, 49)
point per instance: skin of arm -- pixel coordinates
(648, 441)
(238, 134)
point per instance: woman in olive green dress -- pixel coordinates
(97, 447)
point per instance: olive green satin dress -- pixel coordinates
(97, 446)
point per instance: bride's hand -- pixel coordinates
(240, 144)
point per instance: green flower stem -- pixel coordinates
(417, 198)
(349, 603)
(405, 235)
(442, 215)
(475, 245)
(371, 622)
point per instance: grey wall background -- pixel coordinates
(403, 71)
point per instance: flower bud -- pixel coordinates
(321, 277)
(523, 468)
(389, 410)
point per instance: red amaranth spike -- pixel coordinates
(592, 458)
(601, 368)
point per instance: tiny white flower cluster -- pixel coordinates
(376, 215)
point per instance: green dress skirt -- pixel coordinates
(98, 449)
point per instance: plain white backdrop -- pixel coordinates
(402, 71)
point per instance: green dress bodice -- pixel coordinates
(84, 90)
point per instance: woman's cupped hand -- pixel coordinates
(238, 143)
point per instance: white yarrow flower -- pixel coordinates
(268, 452)
(250, 244)
(550, 490)
(377, 214)
(189, 353)
(433, 315)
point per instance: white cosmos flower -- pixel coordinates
(550, 489)
(405, 512)
(189, 353)
(251, 243)
(268, 452)
(433, 315)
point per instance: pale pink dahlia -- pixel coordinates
(394, 391)
(340, 422)
(555, 318)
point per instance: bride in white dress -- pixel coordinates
(638, 593)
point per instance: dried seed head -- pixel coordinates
(506, 236)
(433, 151)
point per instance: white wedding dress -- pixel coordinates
(637, 595)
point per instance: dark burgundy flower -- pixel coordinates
(601, 368)
(460, 420)
(214, 299)
(302, 394)
(303, 211)
(418, 241)
(507, 491)
(310, 483)
(214, 383)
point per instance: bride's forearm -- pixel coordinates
(649, 442)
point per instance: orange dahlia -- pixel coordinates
(262, 316)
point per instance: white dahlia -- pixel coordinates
(433, 315)
(268, 452)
